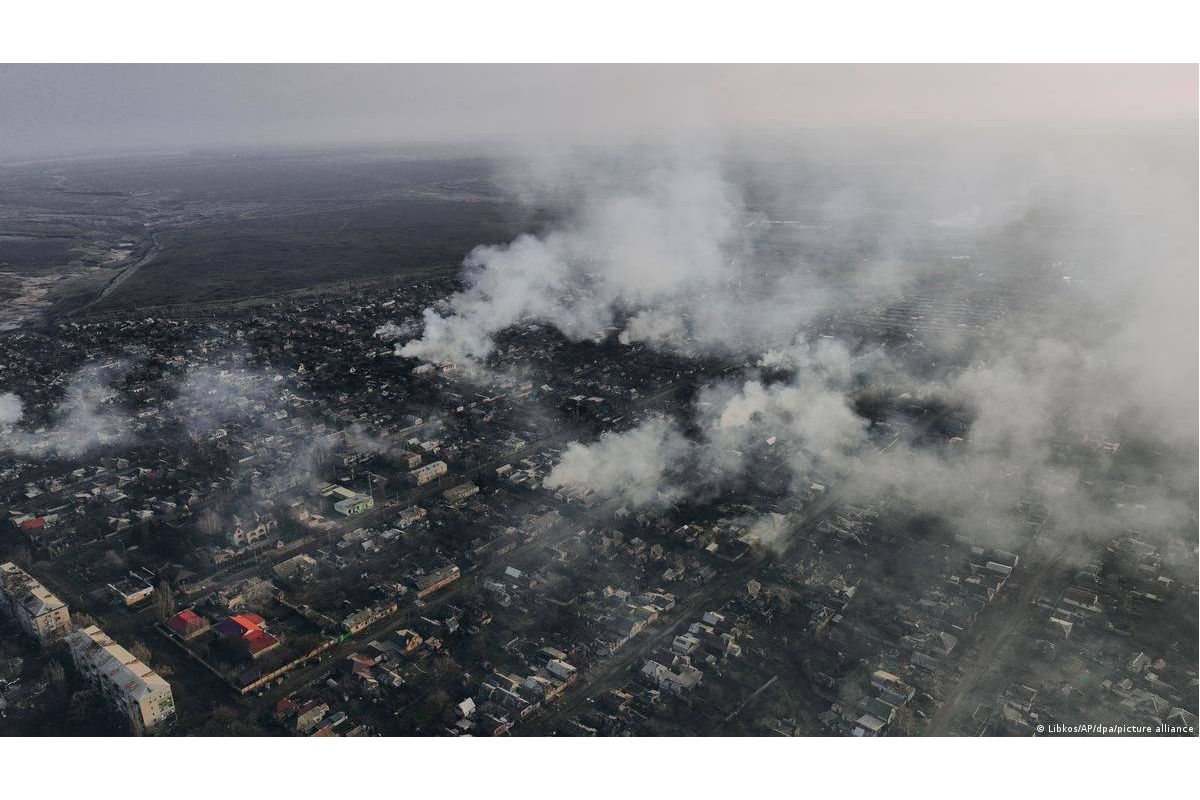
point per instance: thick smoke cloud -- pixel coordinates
(1077, 253)
(653, 246)
(807, 421)
(11, 409)
(638, 467)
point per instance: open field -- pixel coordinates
(247, 257)
(119, 234)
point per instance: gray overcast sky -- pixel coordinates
(48, 110)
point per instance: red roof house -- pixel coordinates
(251, 629)
(260, 642)
(187, 624)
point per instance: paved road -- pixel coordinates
(614, 671)
(124, 275)
(994, 633)
(998, 629)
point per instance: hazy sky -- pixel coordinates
(67, 109)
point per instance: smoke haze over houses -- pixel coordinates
(678, 246)
(609, 400)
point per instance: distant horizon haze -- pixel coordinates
(64, 110)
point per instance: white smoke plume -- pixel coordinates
(391, 332)
(11, 409)
(666, 236)
(654, 464)
(636, 466)
(83, 420)
(1094, 234)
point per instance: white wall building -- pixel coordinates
(245, 535)
(130, 685)
(31, 605)
(429, 472)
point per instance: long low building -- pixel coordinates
(33, 607)
(430, 583)
(347, 502)
(459, 493)
(131, 686)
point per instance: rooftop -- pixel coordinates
(28, 591)
(115, 663)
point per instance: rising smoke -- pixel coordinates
(84, 419)
(1078, 251)
(12, 408)
(657, 248)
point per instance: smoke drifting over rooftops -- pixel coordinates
(1085, 242)
(84, 419)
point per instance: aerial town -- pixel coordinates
(603, 401)
(264, 522)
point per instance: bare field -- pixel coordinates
(123, 234)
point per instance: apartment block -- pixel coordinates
(131, 686)
(38, 612)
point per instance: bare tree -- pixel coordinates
(140, 651)
(438, 699)
(211, 522)
(164, 601)
(20, 555)
(137, 726)
(112, 561)
(83, 619)
(56, 676)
